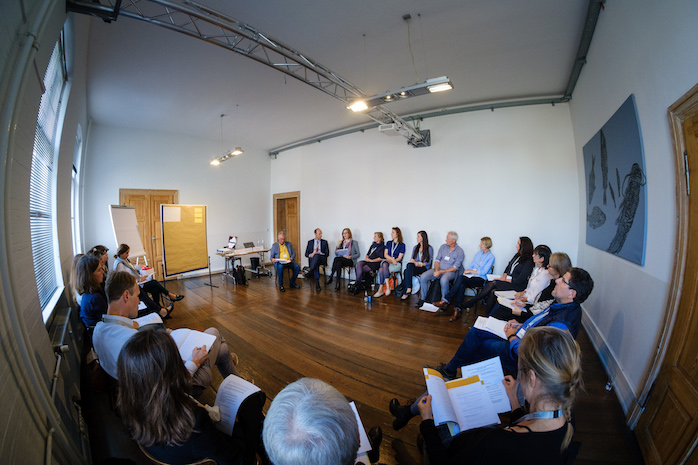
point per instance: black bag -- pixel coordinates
(399, 290)
(434, 292)
(239, 275)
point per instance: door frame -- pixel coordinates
(683, 109)
(284, 196)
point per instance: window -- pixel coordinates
(42, 197)
(75, 193)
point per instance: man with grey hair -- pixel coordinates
(310, 423)
(446, 264)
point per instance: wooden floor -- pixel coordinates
(371, 353)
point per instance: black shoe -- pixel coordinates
(177, 298)
(328, 280)
(419, 303)
(401, 413)
(317, 287)
(447, 374)
(295, 286)
(336, 288)
(375, 437)
(281, 288)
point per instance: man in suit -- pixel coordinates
(317, 252)
(283, 256)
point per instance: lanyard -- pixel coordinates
(546, 414)
(393, 246)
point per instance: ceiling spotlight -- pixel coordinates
(233, 153)
(438, 84)
(215, 162)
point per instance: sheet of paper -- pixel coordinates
(427, 307)
(283, 261)
(342, 252)
(440, 400)
(506, 294)
(364, 443)
(171, 214)
(491, 374)
(232, 391)
(469, 275)
(492, 277)
(471, 403)
(141, 306)
(491, 325)
(505, 302)
(186, 339)
(149, 319)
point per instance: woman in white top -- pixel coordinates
(151, 286)
(540, 277)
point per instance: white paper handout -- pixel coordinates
(149, 319)
(232, 391)
(427, 307)
(491, 374)
(364, 443)
(492, 325)
(186, 339)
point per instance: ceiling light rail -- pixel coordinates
(201, 22)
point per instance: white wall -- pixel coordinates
(648, 49)
(501, 174)
(236, 193)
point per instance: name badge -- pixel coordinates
(447, 258)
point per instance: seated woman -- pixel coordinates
(550, 374)
(393, 253)
(100, 252)
(474, 276)
(152, 286)
(422, 257)
(372, 260)
(345, 254)
(155, 405)
(515, 275)
(523, 309)
(89, 291)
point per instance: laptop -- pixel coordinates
(248, 245)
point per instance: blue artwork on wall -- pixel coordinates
(614, 170)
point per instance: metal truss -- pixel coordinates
(201, 22)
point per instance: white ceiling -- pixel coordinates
(144, 76)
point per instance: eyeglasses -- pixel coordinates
(567, 282)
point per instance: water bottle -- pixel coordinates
(367, 297)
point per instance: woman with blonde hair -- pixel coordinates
(549, 375)
(345, 255)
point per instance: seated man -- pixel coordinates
(117, 327)
(311, 423)
(283, 256)
(570, 291)
(317, 252)
(448, 260)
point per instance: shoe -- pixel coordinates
(295, 286)
(177, 298)
(281, 288)
(375, 437)
(406, 295)
(387, 290)
(317, 287)
(401, 413)
(235, 358)
(169, 309)
(456, 315)
(378, 293)
(328, 280)
(420, 302)
(336, 288)
(441, 304)
(447, 374)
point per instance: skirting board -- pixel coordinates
(625, 393)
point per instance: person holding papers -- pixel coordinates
(283, 256)
(550, 375)
(422, 257)
(515, 275)
(345, 255)
(117, 327)
(393, 253)
(519, 308)
(155, 405)
(474, 276)
(448, 261)
(147, 283)
(317, 252)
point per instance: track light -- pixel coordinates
(433, 85)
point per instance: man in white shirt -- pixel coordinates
(117, 326)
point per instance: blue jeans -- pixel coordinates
(314, 263)
(428, 276)
(480, 345)
(280, 271)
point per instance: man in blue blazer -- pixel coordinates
(283, 256)
(317, 252)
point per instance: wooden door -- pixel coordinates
(668, 428)
(287, 216)
(147, 203)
